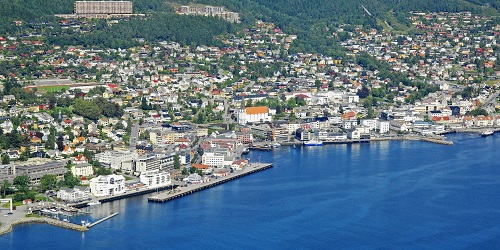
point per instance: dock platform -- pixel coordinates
(192, 188)
(101, 220)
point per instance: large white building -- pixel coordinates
(253, 114)
(83, 169)
(154, 162)
(218, 157)
(383, 126)
(105, 185)
(73, 194)
(117, 159)
(155, 178)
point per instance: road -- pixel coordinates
(134, 135)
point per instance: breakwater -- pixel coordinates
(164, 197)
(7, 226)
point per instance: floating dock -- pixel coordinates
(164, 197)
(101, 220)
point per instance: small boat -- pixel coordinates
(313, 143)
(486, 133)
(93, 203)
(275, 145)
(294, 146)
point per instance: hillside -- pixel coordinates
(311, 20)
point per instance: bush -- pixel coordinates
(19, 197)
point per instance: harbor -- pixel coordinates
(192, 188)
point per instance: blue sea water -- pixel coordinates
(389, 195)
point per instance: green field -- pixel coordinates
(53, 88)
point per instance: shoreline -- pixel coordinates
(7, 226)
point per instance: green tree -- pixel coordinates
(22, 182)
(86, 108)
(5, 188)
(70, 180)
(177, 162)
(5, 159)
(48, 182)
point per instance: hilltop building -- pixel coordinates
(218, 11)
(100, 9)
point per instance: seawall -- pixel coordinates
(7, 226)
(164, 197)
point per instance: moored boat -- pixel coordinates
(313, 143)
(486, 133)
(93, 203)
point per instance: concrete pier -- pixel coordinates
(192, 188)
(103, 219)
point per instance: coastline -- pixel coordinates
(7, 226)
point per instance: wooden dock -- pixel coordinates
(101, 220)
(192, 188)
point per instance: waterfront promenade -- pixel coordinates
(192, 188)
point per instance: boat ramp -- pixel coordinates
(192, 188)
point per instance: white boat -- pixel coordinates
(313, 143)
(93, 203)
(486, 133)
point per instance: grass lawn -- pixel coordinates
(33, 216)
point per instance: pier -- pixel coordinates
(164, 197)
(101, 220)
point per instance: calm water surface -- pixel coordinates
(364, 196)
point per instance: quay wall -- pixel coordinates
(7, 227)
(167, 197)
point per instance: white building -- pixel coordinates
(117, 159)
(155, 178)
(84, 169)
(214, 159)
(383, 126)
(194, 178)
(105, 185)
(73, 194)
(153, 162)
(253, 114)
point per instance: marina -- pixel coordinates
(167, 196)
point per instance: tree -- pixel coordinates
(48, 182)
(5, 159)
(86, 108)
(363, 92)
(5, 188)
(177, 162)
(70, 180)
(22, 182)
(60, 143)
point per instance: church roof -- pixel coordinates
(256, 110)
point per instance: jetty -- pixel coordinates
(192, 188)
(101, 220)
(7, 227)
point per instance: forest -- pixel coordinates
(313, 21)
